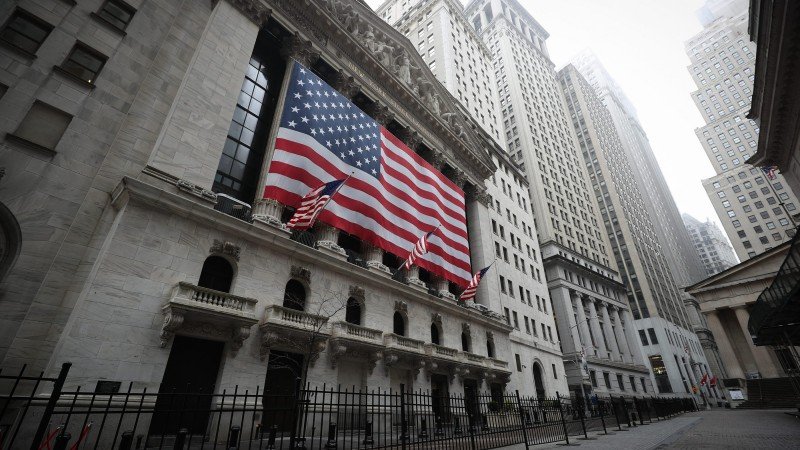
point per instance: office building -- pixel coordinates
(711, 245)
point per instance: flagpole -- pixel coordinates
(415, 244)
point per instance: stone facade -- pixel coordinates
(120, 220)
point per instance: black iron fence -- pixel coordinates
(36, 412)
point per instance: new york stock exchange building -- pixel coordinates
(140, 139)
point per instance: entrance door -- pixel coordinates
(471, 399)
(284, 371)
(538, 381)
(186, 390)
(440, 397)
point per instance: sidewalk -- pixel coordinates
(718, 428)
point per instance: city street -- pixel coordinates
(718, 428)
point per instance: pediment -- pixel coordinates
(757, 268)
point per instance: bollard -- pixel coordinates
(423, 432)
(331, 444)
(368, 435)
(233, 437)
(457, 428)
(180, 439)
(273, 431)
(62, 440)
(126, 440)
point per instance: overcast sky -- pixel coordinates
(640, 42)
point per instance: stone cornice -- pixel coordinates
(134, 191)
(256, 11)
(387, 67)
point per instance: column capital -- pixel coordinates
(299, 49)
(437, 160)
(411, 138)
(480, 195)
(459, 178)
(253, 10)
(345, 84)
(379, 112)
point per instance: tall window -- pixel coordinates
(435, 334)
(117, 13)
(294, 296)
(84, 63)
(217, 274)
(466, 343)
(243, 154)
(353, 311)
(399, 324)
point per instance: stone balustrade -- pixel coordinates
(210, 297)
(438, 351)
(392, 340)
(352, 331)
(293, 318)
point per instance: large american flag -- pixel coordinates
(393, 196)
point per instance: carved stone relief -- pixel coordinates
(226, 248)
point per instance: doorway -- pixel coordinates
(538, 380)
(284, 371)
(471, 400)
(187, 385)
(440, 397)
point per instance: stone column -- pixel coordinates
(327, 240)
(413, 278)
(726, 352)
(584, 337)
(442, 286)
(594, 322)
(612, 342)
(374, 257)
(619, 330)
(634, 343)
(267, 211)
(766, 366)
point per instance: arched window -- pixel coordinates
(217, 274)
(435, 334)
(353, 311)
(294, 296)
(465, 341)
(399, 324)
(490, 348)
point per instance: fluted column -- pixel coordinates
(619, 331)
(583, 327)
(766, 366)
(268, 211)
(412, 277)
(442, 286)
(374, 257)
(327, 240)
(612, 341)
(726, 352)
(594, 322)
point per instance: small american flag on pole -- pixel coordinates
(312, 204)
(472, 288)
(770, 171)
(419, 249)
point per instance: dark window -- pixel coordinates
(465, 342)
(643, 337)
(399, 324)
(84, 63)
(43, 126)
(518, 361)
(593, 378)
(435, 334)
(652, 334)
(25, 31)
(217, 274)
(490, 348)
(620, 382)
(117, 13)
(353, 311)
(294, 296)
(607, 380)
(243, 153)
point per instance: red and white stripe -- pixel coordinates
(310, 207)
(419, 249)
(391, 212)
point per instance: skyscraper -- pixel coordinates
(588, 296)
(755, 208)
(711, 245)
(681, 258)
(516, 285)
(673, 349)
